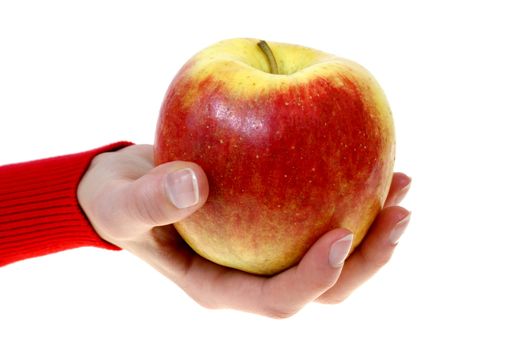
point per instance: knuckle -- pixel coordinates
(147, 207)
(376, 260)
(320, 285)
(325, 283)
(206, 304)
(317, 280)
(336, 301)
(203, 302)
(280, 313)
(145, 212)
(332, 299)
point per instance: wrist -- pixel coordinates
(40, 210)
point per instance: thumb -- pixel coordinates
(166, 194)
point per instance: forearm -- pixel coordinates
(39, 210)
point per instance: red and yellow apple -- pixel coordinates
(294, 141)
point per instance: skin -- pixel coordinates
(124, 197)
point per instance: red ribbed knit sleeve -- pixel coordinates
(39, 210)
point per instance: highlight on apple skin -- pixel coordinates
(294, 141)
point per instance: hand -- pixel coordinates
(133, 204)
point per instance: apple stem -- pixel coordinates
(273, 66)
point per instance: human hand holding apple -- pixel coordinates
(130, 202)
(295, 142)
(127, 200)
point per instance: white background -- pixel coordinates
(74, 76)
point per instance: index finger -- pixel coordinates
(279, 296)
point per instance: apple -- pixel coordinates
(294, 141)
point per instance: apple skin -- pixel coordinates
(288, 156)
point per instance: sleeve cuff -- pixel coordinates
(39, 209)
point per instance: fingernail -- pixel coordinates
(398, 230)
(182, 188)
(407, 181)
(403, 192)
(339, 251)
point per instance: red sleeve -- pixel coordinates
(39, 210)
